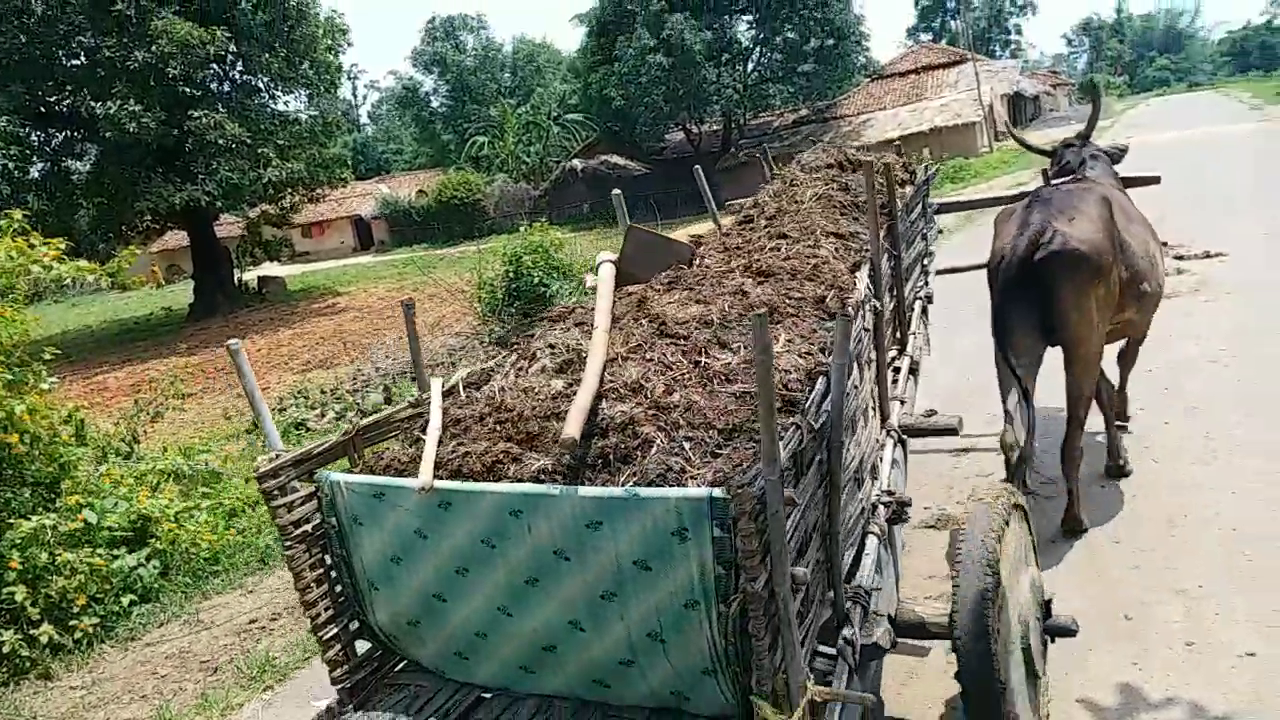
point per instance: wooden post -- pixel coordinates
(253, 393)
(409, 307)
(775, 512)
(620, 210)
(835, 463)
(895, 247)
(1044, 175)
(705, 189)
(877, 288)
(768, 159)
(766, 170)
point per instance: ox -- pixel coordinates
(1075, 265)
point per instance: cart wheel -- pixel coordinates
(997, 610)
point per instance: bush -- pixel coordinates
(34, 268)
(460, 203)
(456, 210)
(527, 274)
(124, 534)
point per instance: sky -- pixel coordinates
(384, 31)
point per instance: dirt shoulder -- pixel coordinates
(172, 668)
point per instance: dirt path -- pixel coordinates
(176, 663)
(1175, 585)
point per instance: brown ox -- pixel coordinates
(1075, 265)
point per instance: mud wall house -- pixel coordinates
(343, 222)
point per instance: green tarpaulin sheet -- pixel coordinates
(614, 595)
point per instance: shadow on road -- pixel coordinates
(1103, 498)
(1133, 703)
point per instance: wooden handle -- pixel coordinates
(435, 423)
(606, 276)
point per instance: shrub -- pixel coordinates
(527, 274)
(456, 210)
(39, 440)
(124, 534)
(460, 203)
(35, 268)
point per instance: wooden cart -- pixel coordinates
(806, 552)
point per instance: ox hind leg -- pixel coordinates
(1127, 359)
(1082, 362)
(1117, 457)
(1026, 345)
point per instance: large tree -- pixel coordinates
(1142, 52)
(995, 26)
(649, 66)
(471, 99)
(150, 115)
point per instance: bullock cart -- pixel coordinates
(769, 589)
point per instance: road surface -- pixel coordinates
(1177, 586)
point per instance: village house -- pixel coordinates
(926, 99)
(343, 222)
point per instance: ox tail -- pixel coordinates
(1012, 285)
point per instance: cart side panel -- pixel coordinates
(602, 594)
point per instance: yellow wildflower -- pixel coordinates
(81, 600)
(14, 565)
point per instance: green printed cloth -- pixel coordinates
(613, 595)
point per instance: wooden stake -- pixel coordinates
(775, 511)
(576, 419)
(408, 306)
(839, 383)
(765, 170)
(877, 288)
(707, 198)
(895, 248)
(249, 383)
(768, 159)
(620, 210)
(435, 424)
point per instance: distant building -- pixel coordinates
(925, 99)
(343, 222)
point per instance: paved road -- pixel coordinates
(1177, 586)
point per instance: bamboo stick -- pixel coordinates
(835, 463)
(597, 350)
(775, 510)
(435, 424)
(877, 288)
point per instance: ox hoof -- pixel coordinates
(1118, 470)
(1073, 526)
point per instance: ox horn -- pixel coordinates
(1095, 111)
(1025, 143)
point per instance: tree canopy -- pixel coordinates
(151, 115)
(995, 25)
(652, 65)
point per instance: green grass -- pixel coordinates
(249, 677)
(85, 327)
(959, 173)
(1264, 89)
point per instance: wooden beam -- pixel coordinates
(961, 268)
(915, 426)
(921, 620)
(984, 202)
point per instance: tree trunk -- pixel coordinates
(215, 292)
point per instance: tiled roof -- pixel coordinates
(885, 92)
(357, 198)
(1052, 78)
(925, 56)
(227, 226)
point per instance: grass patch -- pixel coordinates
(1264, 89)
(247, 678)
(959, 173)
(89, 326)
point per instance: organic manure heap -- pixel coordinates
(677, 404)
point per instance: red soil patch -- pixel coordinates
(284, 343)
